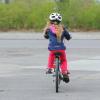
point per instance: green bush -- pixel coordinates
(38, 17)
(12, 17)
(33, 14)
(23, 15)
(84, 14)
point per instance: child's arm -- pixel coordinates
(67, 35)
(46, 34)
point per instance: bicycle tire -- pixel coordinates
(57, 75)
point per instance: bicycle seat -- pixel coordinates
(57, 53)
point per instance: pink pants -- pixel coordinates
(64, 66)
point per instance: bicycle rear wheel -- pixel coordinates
(57, 72)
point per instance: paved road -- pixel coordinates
(22, 70)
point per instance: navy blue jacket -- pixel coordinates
(54, 44)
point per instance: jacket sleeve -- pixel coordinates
(46, 34)
(67, 35)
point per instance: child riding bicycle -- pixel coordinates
(56, 33)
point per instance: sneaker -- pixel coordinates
(49, 71)
(66, 78)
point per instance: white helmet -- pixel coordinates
(55, 16)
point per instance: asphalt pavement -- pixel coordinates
(23, 60)
(33, 35)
